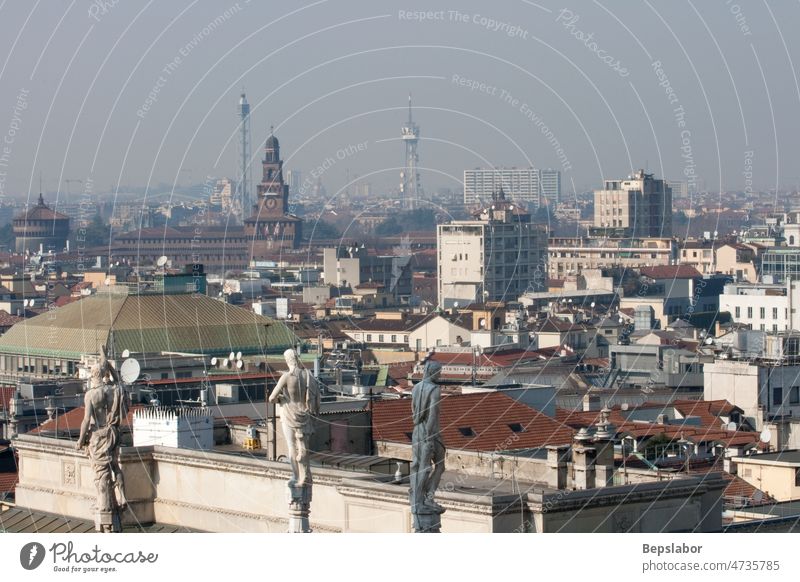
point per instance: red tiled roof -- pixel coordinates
(7, 320)
(8, 482)
(670, 272)
(709, 411)
(478, 422)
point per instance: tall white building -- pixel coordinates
(498, 256)
(550, 186)
(527, 185)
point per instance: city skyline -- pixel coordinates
(698, 100)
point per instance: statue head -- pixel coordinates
(431, 371)
(292, 359)
(96, 374)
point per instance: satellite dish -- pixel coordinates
(129, 371)
(126, 353)
(239, 364)
(214, 361)
(232, 356)
(624, 406)
(162, 260)
(765, 436)
(226, 363)
(238, 355)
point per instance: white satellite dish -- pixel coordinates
(239, 364)
(214, 361)
(624, 406)
(238, 355)
(126, 353)
(162, 260)
(129, 371)
(231, 356)
(226, 363)
(765, 436)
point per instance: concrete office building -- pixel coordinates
(528, 185)
(498, 256)
(639, 206)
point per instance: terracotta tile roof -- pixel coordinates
(8, 482)
(486, 421)
(670, 272)
(7, 320)
(709, 411)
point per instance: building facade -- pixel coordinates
(639, 206)
(763, 306)
(572, 255)
(41, 229)
(496, 257)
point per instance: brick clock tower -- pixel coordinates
(272, 226)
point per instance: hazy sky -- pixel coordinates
(139, 93)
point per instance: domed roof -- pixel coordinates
(272, 141)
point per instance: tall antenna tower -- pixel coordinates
(410, 185)
(243, 186)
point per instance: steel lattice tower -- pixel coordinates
(243, 183)
(410, 184)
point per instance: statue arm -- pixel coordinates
(433, 412)
(87, 419)
(277, 393)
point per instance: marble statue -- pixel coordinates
(105, 406)
(427, 451)
(297, 395)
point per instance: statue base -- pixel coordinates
(428, 522)
(107, 522)
(299, 498)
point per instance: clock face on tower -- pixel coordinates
(271, 203)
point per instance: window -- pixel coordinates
(797, 477)
(394, 339)
(466, 431)
(516, 427)
(419, 344)
(405, 339)
(749, 313)
(762, 312)
(794, 395)
(369, 337)
(777, 396)
(738, 312)
(380, 338)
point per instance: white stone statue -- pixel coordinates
(427, 451)
(105, 406)
(297, 395)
